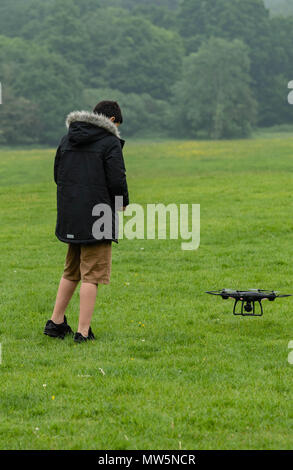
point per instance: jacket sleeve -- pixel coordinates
(115, 171)
(56, 163)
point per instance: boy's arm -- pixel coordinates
(56, 163)
(116, 172)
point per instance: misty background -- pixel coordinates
(178, 68)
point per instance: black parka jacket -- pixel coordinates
(89, 169)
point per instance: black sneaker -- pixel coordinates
(91, 334)
(79, 338)
(57, 331)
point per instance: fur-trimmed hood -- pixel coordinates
(97, 119)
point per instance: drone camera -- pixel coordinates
(248, 307)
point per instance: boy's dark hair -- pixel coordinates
(109, 109)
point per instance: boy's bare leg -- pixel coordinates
(65, 292)
(87, 294)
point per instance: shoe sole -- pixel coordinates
(84, 340)
(53, 335)
(56, 335)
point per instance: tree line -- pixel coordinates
(182, 68)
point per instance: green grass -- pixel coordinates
(277, 131)
(180, 370)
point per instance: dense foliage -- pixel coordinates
(187, 68)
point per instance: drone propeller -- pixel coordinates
(215, 292)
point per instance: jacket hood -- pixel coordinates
(85, 126)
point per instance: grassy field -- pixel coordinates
(180, 370)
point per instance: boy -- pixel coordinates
(89, 170)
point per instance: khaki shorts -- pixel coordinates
(89, 263)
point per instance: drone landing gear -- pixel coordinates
(248, 308)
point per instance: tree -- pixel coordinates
(110, 47)
(19, 120)
(144, 58)
(274, 105)
(230, 19)
(213, 98)
(247, 20)
(43, 78)
(157, 15)
(132, 4)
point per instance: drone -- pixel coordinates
(248, 299)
